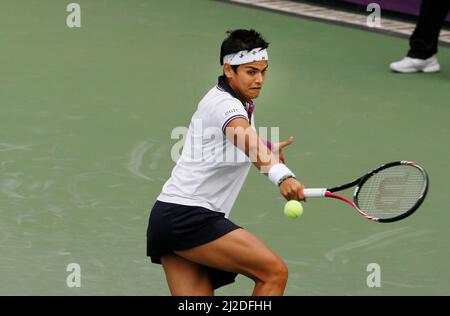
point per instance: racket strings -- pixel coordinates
(391, 191)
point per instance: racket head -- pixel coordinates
(392, 191)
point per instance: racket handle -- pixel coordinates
(314, 193)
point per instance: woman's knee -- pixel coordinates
(280, 271)
(275, 271)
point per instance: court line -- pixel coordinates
(8, 147)
(330, 255)
(136, 157)
(336, 16)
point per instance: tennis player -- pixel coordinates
(189, 232)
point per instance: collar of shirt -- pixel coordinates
(224, 86)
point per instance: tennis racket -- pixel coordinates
(386, 194)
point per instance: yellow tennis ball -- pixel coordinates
(293, 209)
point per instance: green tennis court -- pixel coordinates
(85, 142)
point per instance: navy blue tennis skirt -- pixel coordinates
(178, 227)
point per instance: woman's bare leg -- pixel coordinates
(186, 278)
(241, 252)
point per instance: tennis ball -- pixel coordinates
(293, 209)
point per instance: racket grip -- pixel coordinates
(314, 193)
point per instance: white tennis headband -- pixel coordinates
(245, 56)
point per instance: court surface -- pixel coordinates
(85, 141)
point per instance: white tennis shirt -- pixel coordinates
(211, 170)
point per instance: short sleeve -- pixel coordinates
(226, 111)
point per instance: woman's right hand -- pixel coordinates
(291, 189)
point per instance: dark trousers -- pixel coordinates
(424, 41)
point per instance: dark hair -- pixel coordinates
(238, 40)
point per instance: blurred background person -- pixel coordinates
(424, 40)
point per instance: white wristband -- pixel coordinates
(279, 171)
